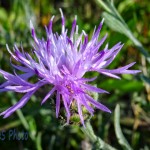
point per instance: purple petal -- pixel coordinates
(24, 69)
(50, 24)
(18, 105)
(97, 104)
(4, 90)
(13, 79)
(76, 67)
(120, 70)
(96, 48)
(5, 84)
(66, 107)
(20, 89)
(80, 112)
(48, 95)
(27, 75)
(33, 33)
(70, 42)
(84, 103)
(84, 44)
(57, 104)
(87, 79)
(109, 74)
(94, 89)
(98, 30)
(131, 71)
(11, 53)
(73, 27)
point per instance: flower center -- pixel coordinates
(69, 89)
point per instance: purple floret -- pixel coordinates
(62, 61)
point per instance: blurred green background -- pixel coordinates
(131, 92)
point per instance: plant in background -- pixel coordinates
(62, 61)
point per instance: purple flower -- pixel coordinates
(62, 61)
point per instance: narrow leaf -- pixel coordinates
(121, 139)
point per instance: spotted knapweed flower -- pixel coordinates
(62, 61)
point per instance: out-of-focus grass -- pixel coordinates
(129, 92)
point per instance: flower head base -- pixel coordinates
(61, 61)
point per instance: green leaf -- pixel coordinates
(98, 143)
(114, 23)
(38, 141)
(121, 139)
(32, 129)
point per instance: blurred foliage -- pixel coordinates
(132, 92)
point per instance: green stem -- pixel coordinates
(97, 141)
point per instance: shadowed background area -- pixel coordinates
(132, 92)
